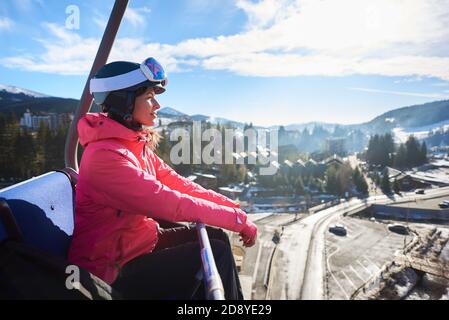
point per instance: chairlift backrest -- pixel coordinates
(43, 208)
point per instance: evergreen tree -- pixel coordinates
(380, 150)
(360, 182)
(299, 186)
(400, 160)
(423, 153)
(385, 182)
(413, 152)
(331, 180)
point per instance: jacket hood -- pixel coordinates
(97, 126)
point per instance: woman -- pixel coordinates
(124, 187)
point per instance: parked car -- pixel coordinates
(338, 229)
(444, 204)
(419, 191)
(398, 228)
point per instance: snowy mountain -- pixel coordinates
(401, 134)
(170, 112)
(18, 100)
(425, 116)
(5, 89)
(429, 121)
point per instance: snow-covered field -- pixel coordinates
(401, 134)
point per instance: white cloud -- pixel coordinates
(404, 93)
(290, 38)
(5, 23)
(409, 80)
(441, 84)
(262, 13)
(135, 16)
(101, 22)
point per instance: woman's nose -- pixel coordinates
(156, 105)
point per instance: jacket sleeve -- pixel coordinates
(169, 177)
(116, 182)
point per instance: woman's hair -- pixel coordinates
(153, 137)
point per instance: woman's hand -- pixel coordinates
(249, 234)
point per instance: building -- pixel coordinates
(332, 160)
(53, 120)
(37, 120)
(26, 120)
(232, 192)
(405, 181)
(335, 145)
(208, 181)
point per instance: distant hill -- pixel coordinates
(424, 120)
(15, 93)
(58, 105)
(170, 113)
(18, 100)
(309, 126)
(417, 116)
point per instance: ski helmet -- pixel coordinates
(115, 85)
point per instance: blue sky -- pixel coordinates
(268, 61)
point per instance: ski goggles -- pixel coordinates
(154, 71)
(149, 70)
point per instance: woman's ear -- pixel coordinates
(128, 118)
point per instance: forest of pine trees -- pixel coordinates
(383, 152)
(24, 154)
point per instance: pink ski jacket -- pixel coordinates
(118, 195)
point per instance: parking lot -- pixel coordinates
(353, 259)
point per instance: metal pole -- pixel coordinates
(71, 145)
(214, 286)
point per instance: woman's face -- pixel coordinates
(145, 107)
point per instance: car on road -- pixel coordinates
(420, 191)
(444, 204)
(398, 228)
(338, 229)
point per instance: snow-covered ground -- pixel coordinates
(302, 248)
(401, 134)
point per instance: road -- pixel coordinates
(300, 266)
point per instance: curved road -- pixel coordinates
(300, 273)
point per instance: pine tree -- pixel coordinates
(400, 161)
(299, 186)
(413, 152)
(360, 182)
(423, 153)
(385, 182)
(331, 180)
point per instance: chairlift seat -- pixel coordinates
(43, 208)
